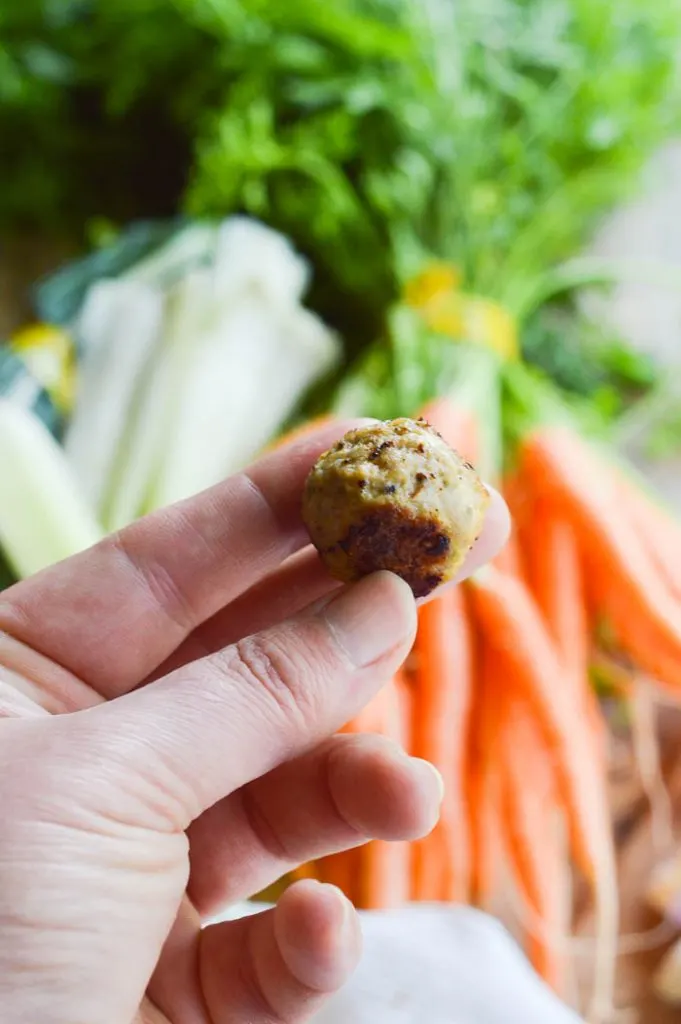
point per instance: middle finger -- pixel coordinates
(338, 796)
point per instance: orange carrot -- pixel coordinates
(383, 878)
(457, 425)
(658, 531)
(623, 579)
(531, 666)
(510, 617)
(556, 579)
(511, 557)
(343, 870)
(382, 869)
(442, 861)
(533, 838)
(483, 782)
(304, 871)
(442, 701)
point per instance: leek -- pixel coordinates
(247, 378)
(119, 325)
(43, 515)
(145, 443)
(259, 352)
(192, 359)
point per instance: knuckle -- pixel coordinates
(164, 592)
(269, 668)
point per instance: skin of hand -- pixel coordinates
(168, 704)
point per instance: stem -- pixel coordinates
(587, 271)
(477, 387)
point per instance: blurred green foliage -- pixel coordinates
(586, 359)
(372, 132)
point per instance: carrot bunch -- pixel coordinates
(498, 693)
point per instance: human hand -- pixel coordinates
(167, 705)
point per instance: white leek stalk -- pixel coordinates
(145, 443)
(258, 354)
(43, 515)
(120, 323)
(192, 361)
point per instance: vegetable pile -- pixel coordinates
(172, 352)
(373, 134)
(417, 177)
(501, 689)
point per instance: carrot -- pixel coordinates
(533, 838)
(555, 575)
(457, 425)
(658, 531)
(625, 582)
(304, 871)
(442, 702)
(555, 578)
(531, 666)
(382, 869)
(510, 617)
(383, 879)
(442, 861)
(343, 870)
(483, 782)
(520, 502)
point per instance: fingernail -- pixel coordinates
(344, 919)
(371, 618)
(433, 774)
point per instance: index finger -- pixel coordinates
(112, 614)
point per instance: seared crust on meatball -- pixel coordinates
(394, 496)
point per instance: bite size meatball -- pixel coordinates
(394, 496)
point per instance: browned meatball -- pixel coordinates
(394, 496)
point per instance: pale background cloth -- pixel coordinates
(439, 964)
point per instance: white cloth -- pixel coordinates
(437, 964)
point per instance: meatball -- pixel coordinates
(394, 496)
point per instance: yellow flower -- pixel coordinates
(435, 293)
(436, 279)
(444, 314)
(49, 354)
(488, 323)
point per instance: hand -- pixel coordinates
(167, 707)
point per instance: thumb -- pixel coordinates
(215, 724)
